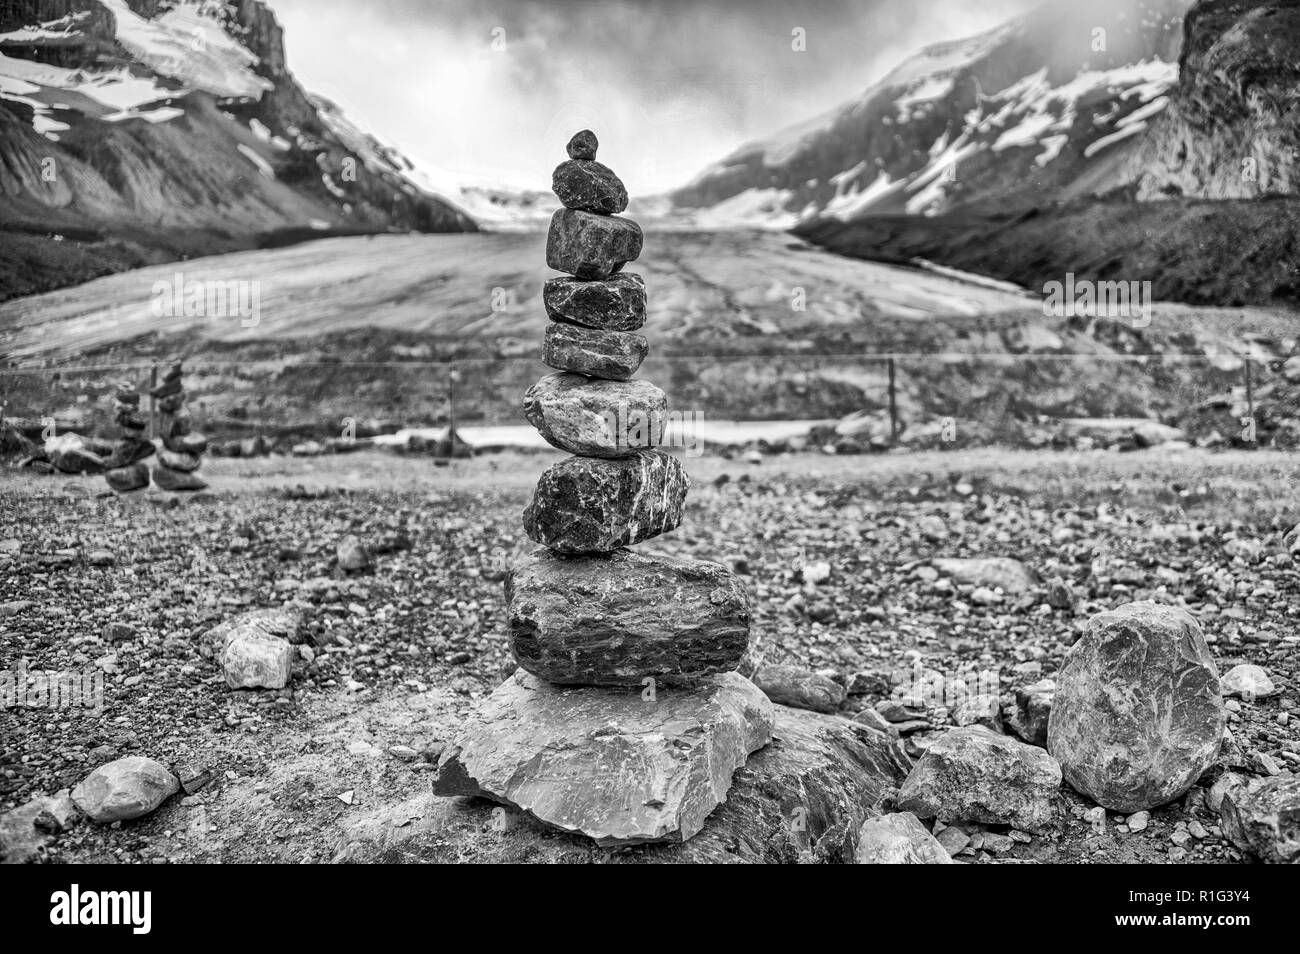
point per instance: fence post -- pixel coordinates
(452, 377)
(153, 404)
(1250, 401)
(893, 405)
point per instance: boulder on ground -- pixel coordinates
(1030, 714)
(972, 774)
(1262, 818)
(353, 555)
(127, 788)
(1137, 716)
(1247, 681)
(27, 829)
(255, 649)
(899, 839)
(801, 798)
(1004, 573)
(799, 688)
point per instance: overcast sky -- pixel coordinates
(490, 90)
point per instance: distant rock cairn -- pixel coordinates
(126, 467)
(626, 720)
(182, 448)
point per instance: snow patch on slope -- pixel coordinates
(190, 45)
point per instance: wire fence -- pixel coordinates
(292, 394)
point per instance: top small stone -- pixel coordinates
(583, 145)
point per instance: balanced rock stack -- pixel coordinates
(181, 452)
(626, 719)
(127, 470)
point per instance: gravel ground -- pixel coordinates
(391, 660)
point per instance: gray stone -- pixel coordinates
(899, 839)
(178, 461)
(583, 145)
(1010, 576)
(587, 505)
(21, 838)
(591, 246)
(972, 774)
(178, 480)
(125, 789)
(257, 661)
(192, 443)
(254, 648)
(589, 186)
(1263, 818)
(285, 623)
(353, 555)
(609, 763)
(1248, 682)
(595, 418)
(1137, 715)
(612, 355)
(126, 479)
(616, 619)
(615, 304)
(985, 710)
(1029, 717)
(128, 451)
(801, 798)
(799, 688)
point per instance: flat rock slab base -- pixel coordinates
(621, 766)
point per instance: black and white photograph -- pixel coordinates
(651, 432)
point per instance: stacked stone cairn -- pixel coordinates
(182, 450)
(126, 468)
(625, 720)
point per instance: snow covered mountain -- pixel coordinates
(161, 122)
(1046, 107)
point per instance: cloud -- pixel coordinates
(491, 89)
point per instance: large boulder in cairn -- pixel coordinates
(1262, 818)
(899, 839)
(615, 304)
(596, 418)
(70, 453)
(1004, 573)
(126, 479)
(1137, 715)
(255, 651)
(591, 246)
(125, 789)
(616, 619)
(972, 774)
(801, 798)
(622, 767)
(589, 186)
(585, 505)
(610, 355)
(177, 480)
